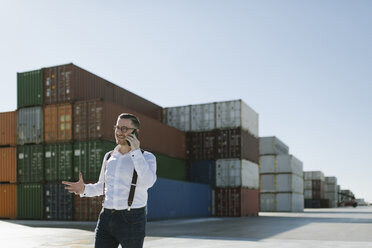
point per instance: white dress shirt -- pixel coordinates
(118, 179)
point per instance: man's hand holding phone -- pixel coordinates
(132, 140)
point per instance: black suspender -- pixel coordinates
(132, 186)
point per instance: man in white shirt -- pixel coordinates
(123, 218)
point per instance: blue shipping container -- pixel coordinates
(171, 199)
(58, 202)
(203, 171)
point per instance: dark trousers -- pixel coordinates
(123, 227)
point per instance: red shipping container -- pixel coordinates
(70, 83)
(95, 119)
(236, 202)
(58, 123)
(87, 208)
(201, 145)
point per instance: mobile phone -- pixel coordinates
(135, 133)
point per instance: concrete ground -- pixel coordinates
(341, 227)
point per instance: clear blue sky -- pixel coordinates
(304, 66)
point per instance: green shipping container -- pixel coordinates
(88, 157)
(58, 162)
(30, 203)
(30, 88)
(171, 168)
(30, 163)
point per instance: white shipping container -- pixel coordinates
(30, 125)
(331, 180)
(237, 173)
(318, 175)
(268, 183)
(289, 183)
(234, 114)
(203, 117)
(308, 184)
(178, 117)
(267, 164)
(280, 164)
(333, 196)
(289, 164)
(290, 202)
(272, 146)
(272, 183)
(281, 202)
(308, 194)
(308, 175)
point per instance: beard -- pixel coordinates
(121, 140)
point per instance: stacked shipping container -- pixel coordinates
(331, 191)
(222, 149)
(314, 190)
(281, 187)
(8, 165)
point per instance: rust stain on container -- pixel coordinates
(70, 83)
(8, 201)
(8, 164)
(8, 128)
(98, 117)
(58, 122)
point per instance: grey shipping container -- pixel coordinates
(30, 126)
(70, 83)
(281, 164)
(95, 119)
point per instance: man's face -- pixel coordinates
(121, 136)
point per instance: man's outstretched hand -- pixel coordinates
(77, 187)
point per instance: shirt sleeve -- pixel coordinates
(145, 165)
(96, 189)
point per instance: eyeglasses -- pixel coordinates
(123, 128)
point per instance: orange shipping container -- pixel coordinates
(8, 128)
(58, 123)
(8, 201)
(8, 164)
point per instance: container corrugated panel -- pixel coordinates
(331, 180)
(8, 164)
(267, 202)
(203, 171)
(201, 145)
(236, 114)
(308, 194)
(178, 117)
(29, 88)
(272, 146)
(151, 134)
(308, 184)
(30, 201)
(58, 162)
(169, 199)
(310, 203)
(30, 163)
(171, 168)
(267, 164)
(332, 188)
(236, 202)
(333, 204)
(8, 201)
(58, 123)
(333, 196)
(237, 143)
(8, 128)
(87, 208)
(58, 202)
(70, 83)
(203, 117)
(30, 126)
(237, 173)
(88, 158)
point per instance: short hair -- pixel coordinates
(131, 117)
